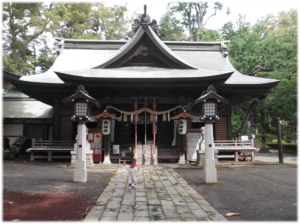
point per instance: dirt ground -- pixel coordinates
(46, 192)
(259, 192)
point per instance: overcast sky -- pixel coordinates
(253, 9)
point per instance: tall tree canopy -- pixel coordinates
(170, 28)
(195, 16)
(266, 49)
(23, 23)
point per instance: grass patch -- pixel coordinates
(223, 168)
(107, 180)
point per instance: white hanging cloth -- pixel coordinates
(175, 132)
(131, 118)
(156, 118)
(120, 119)
(112, 130)
(169, 116)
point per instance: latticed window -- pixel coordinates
(81, 109)
(209, 109)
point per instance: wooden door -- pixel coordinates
(95, 139)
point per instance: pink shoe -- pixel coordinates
(135, 187)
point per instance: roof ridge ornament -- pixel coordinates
(81, 88)
(144, 21)
(211, 88)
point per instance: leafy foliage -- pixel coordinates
(193, 16)
(170, 28)
(268, 49)
(208, 35)
(23, 23)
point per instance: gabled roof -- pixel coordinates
(126, 51)
(81, 93)
(210, 93)
(105, 115)
(96, 60)
(183, 115)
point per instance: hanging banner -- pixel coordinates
(112, 130)
(135, 125)
(175, 131)
(154, 126)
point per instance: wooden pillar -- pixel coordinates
(280, 151)
(229, 128)
(236, 156)
(56, 121)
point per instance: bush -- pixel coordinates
(7, 154)
(6, 143)
(287, 147)
(6, 149)
(19, 145)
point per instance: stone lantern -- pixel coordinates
(82, 104)
(208, 102)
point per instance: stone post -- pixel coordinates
(210, 171)
(80, 173)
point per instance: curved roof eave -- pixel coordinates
(116, 75)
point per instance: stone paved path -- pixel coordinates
(162, 195)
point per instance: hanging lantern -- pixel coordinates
(106, 126)
(182, 126)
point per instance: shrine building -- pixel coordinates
(146, 77)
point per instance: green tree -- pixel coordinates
(188, 19)
(195, 16)
(71, 20)
(90, 21)
(170, 28)
(267, 49)
(208, 35)
(22, 24)
(111, 23)
(9, 64)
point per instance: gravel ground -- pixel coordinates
(46, 192)
(259, 192)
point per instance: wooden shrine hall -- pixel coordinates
(143, 78)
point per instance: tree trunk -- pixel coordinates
(264, 121)
(190, 28)
(248, 113)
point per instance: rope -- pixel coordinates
(144, 109)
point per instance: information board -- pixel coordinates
(95, 139)
(193, 139)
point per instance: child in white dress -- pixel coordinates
(132, 170)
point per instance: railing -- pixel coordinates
(234, 144)
(52, 143)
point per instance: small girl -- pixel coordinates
(132, 170)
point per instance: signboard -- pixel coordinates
(116, 149)
(182, 126)
(193, 139)
(106, 126)
(95, 139)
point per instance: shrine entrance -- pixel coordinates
(144, 134)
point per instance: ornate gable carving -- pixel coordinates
(144, 21)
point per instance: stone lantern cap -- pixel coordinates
(210, 93)
(83, 94)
